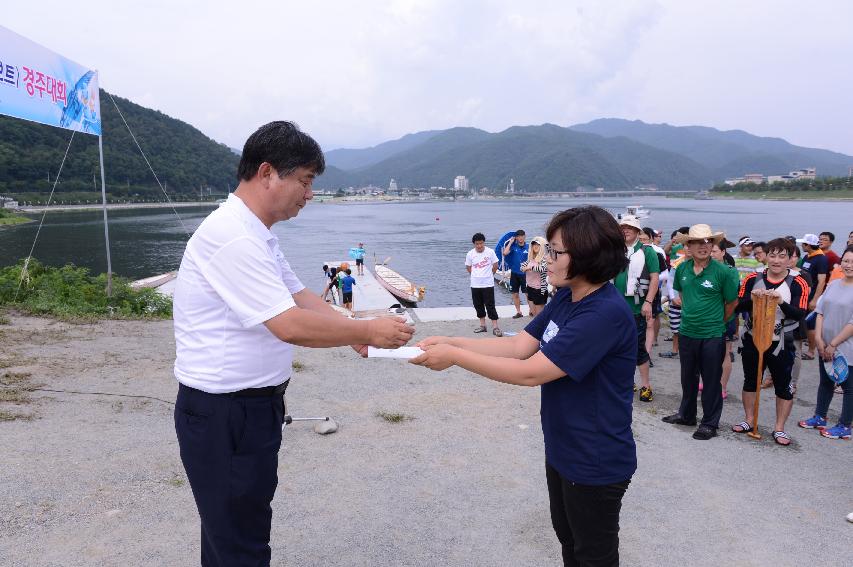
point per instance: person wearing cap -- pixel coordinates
(815, 263)
(515, 252)
(638, 283)
(745, 262)
(792, 292)
(709, 297)
(359, 258)
(834, 338)
(238, 309)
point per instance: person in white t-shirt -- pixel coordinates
(482, 263)
(238, 308)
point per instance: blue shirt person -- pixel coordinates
(347, 282)
(582, 350)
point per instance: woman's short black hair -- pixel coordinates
(478, 236)
(282, 145)
(593, 240)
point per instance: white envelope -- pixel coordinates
(402, 352)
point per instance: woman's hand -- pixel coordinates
(828, 352)
(436, 357)
(435, 340)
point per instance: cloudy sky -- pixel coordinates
(355, 74)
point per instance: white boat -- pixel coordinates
(635, 211)
(397, 285)
(154, 281)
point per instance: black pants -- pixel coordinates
(229, 446)
(586, 519)
(484, 300)
(701, 357)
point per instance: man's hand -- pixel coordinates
(812, 304)
(677, 302)
(389, 332)
(646, 310)
(436, 357)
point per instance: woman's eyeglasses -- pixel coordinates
(554, 253)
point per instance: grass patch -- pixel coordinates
(15, 387)
(177, 480)
(71, 293)
(14, 416)
(393, 417)
(297, 366)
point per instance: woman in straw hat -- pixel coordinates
(709, 296)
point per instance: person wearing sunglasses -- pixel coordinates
(581, 350)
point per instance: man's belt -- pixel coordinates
(261, 392)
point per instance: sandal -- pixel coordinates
(807, 356)
(744, 427)
(778, 435)
(497, 332)
(480, 330)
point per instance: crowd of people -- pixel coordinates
(705, 295)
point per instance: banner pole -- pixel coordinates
(106, 225)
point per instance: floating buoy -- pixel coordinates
(436, 218)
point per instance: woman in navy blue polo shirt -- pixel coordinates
(582, 350)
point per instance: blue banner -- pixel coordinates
(37, 84)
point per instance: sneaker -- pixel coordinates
(668, 354)
(837, 432)
(635, 386)
(517, 316)
(815, 422)
(704, 432)
(646, 394)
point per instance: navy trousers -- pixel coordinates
(702, 357)
(229, 446)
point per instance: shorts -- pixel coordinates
(517, 282)
(730, 334)
(674, 318)
(811, 320)
(657, 309)
(780, 366)
(359, 261)
(536, 296)
(642, 353)
(347, 297)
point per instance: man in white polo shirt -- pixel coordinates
(238, 308)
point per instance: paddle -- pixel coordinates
(763, 323)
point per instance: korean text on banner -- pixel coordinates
(37, 84)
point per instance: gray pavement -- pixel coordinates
(96, 480)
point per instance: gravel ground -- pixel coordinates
(97, 480)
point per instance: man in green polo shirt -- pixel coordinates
(638, 283)
(708, 297)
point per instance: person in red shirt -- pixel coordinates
(825, 242)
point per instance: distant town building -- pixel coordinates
(510, 187)
(460, 183)
(850, 171)
(758, 178)
(7, 203)
(392, 187)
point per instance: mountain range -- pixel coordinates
(611, 153)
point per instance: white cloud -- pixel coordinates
(359, 73)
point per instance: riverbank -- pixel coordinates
(116, 206)
(787, 196)
(13, 220)
(93, 479)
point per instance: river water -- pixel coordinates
(426, 241)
